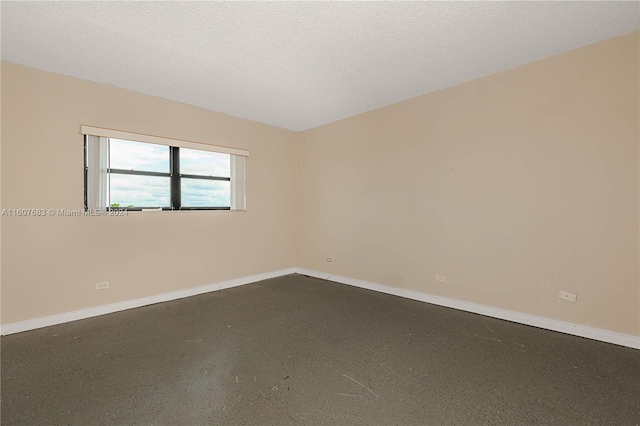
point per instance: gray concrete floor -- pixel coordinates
(298, 350)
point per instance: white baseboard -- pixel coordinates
(540, 322)
(17, 327)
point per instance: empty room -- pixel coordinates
(320, 213)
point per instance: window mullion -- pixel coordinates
(138, 173)
(176, 202)
(86, 168)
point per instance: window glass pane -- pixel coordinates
(205, 193)
(128, 155)
(204, 163)
(139, 191)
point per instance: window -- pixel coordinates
(126, 174)
(139, 175)
(205, 179)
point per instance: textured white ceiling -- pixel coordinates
(298, 64)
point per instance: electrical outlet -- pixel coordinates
(567, 296)
(102, 285)
(441, 278)
(329, 259)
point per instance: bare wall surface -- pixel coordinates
(50, 264)
(513, 186)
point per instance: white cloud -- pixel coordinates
(204, 163)
(129, 155)
(151, 191)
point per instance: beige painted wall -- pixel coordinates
(50, 264)
(514, 186)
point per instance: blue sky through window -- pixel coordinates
(140, 191)
(153, 191)
(146, 157)
(205, 193)
(204, 163)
